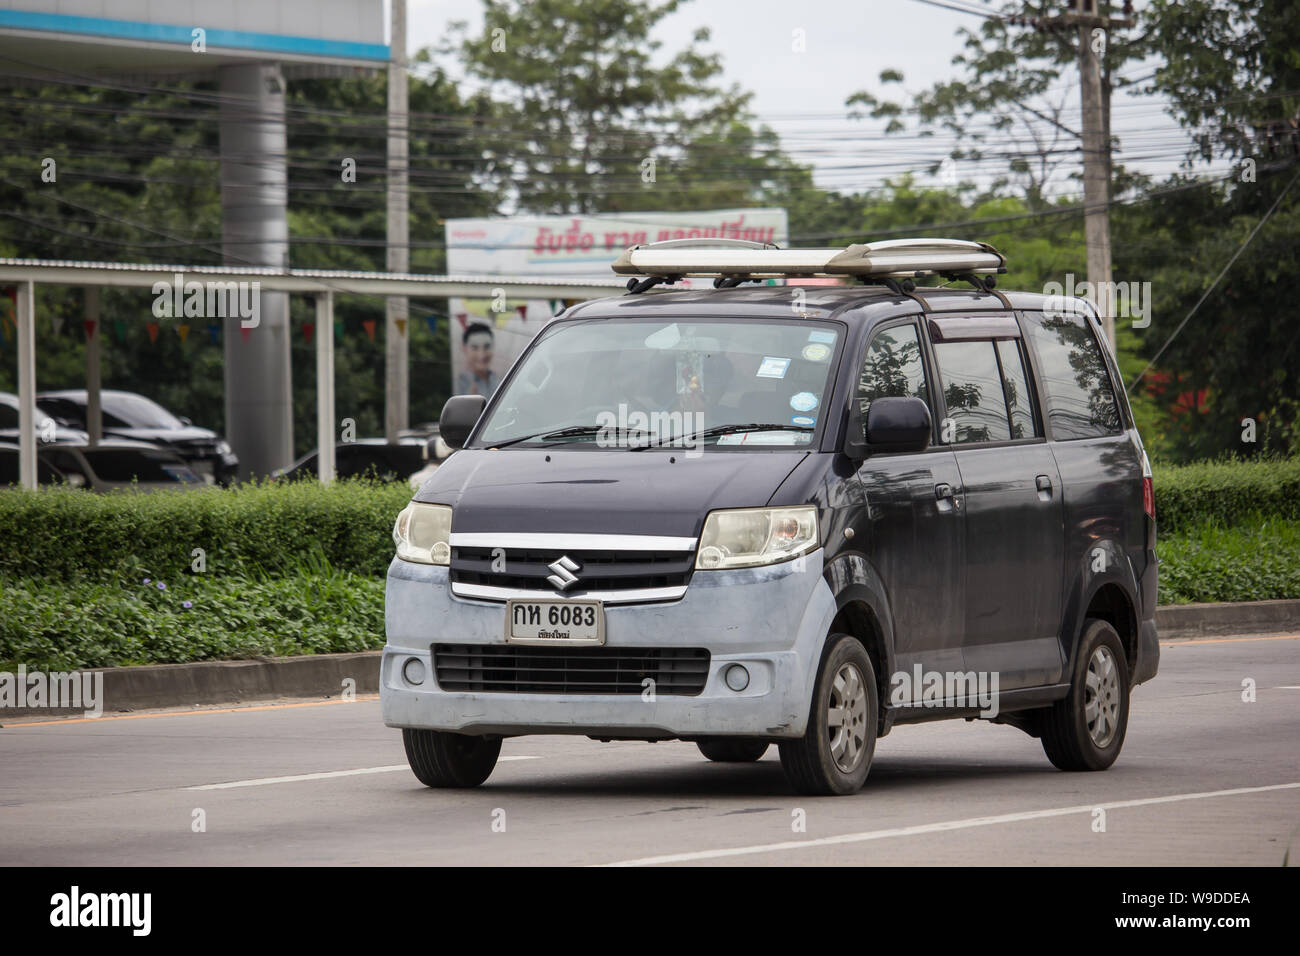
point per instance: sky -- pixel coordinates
(847, 43)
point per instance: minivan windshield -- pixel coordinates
(637, 383)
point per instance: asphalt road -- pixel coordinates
(1205, 779)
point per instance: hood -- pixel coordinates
(169, 436)
(601, 492)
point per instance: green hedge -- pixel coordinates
(1254, 561)
(269, 529)
(61, 625)
(1225, 493)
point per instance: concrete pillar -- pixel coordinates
(397, 330)
(26, 384)
(325, 422)
(255, 231)
(94, 409)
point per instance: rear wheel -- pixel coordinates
(441, 759)
(732, 749)
(1085, 730)
(834, 755)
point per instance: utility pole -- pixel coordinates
(397, 325)
(1094, 32)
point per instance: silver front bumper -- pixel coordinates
(773, 620)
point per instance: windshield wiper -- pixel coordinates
(573, 431)
(718, 430)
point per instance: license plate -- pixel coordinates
(555, 622)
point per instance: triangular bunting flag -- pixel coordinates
(308, 330)
(214, 333)
(244, 333)
(338, 330)
(119, 329)
(432, 322)
(369, 326)
(523, 312)
(56, 320)
(463, 319)
(89, 325)
(183, 331)
(400, 323)
(152, 329)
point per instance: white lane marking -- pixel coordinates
(263, 781)
(939, 827)
(1289, 687)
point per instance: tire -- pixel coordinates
(834, 755)
(1077, 733)
(440, 759)
(732, 749)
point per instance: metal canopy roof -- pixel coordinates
(308, 281)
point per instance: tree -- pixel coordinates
(1018, 72)
(586, 121)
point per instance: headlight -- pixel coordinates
(422, 533)
(748, 537)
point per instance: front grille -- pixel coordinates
(526, 569)
(512, 668)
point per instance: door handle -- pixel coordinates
(946, 497)
(1044, 486)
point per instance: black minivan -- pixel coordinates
(742, 516)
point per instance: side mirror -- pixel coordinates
(459, 416)
(898, 424)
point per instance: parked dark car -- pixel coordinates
(48, 429)
(129, 415)
(754, 516)
(114, 463)
(45, 475)
(364, 458)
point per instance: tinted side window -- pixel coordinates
(8, 416)
(893, 368)
(972, 389)
(1080, 398)
(1016, 383)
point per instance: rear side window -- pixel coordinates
(973, 392)
(1080, 400)
(1020, 406)
(893, 368)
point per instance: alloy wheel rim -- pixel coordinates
(846, 718)
(1102, 697)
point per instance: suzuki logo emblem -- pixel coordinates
(563, 576)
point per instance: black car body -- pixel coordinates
(983, 507)
(133, 416)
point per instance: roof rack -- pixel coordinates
(733, 261)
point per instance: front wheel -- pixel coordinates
(732, 750)
(441, 759)
(835, 753)
(1085, 730)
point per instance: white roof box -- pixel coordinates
(737, 257)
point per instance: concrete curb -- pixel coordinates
(323, 675)
(1177, 621)
(225, 682)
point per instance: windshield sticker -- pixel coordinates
(765, 438)
(816, 352)
(803, 420)
(821, 335)
(804, 402)
(773, 367)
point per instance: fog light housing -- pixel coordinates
(413, 671)
(736, 677)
